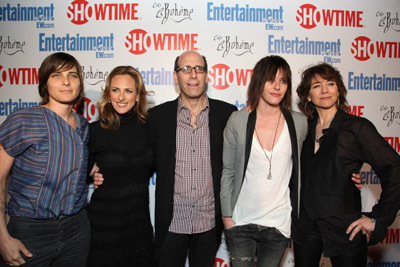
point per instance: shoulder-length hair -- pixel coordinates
(58, 62)
(265, 70)
(327, 72)
(109, 118)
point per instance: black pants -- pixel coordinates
(202, 249)
(309, 255)
(60, 242)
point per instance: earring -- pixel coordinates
(306, 108)
(109, 101)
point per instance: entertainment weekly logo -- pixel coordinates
(310, 17)
(173, 12)
(363, 48)
(139, 41)
(221, 76)
(80, 12)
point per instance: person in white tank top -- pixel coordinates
(258, 167)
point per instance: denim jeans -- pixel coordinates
(62, 242)
(243, 242)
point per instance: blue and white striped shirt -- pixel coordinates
(48, 177)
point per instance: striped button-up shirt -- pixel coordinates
(194, 203)
(49, 171)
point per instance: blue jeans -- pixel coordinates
(62, 242)
(243, 242)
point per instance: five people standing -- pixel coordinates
(186, 142)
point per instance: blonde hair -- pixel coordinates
(109, 118)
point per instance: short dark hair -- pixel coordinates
(56, 62)
(265, 70)
(327, 72)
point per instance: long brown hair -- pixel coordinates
(265, 70)
(109, 118)
(327, 72)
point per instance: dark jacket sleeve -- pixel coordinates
(91, 148)
(386, 163)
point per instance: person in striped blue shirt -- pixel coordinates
(43, 153)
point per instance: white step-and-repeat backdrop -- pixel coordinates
(361, 38)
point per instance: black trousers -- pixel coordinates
(309, 254)
(202, 249)
(62, 242)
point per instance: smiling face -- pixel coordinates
(323, 93)
(274, 91)
(123, 95)
(63, 86)
(192, 85)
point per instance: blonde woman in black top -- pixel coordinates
(121, 230)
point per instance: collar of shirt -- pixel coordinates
(184, 112)
(335, 124)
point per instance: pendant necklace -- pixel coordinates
(269, 177)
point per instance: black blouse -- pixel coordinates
(326, 186)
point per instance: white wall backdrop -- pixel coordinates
(361, 38)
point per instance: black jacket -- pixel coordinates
(327, 189)
(162, 126)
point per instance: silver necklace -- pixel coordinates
(269, 177)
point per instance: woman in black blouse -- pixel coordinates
(337, 145)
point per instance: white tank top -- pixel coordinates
(262, 201)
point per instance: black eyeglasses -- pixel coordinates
(188, 69)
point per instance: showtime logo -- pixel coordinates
(89, 109)
(138, 41)
(394, 142)
(392, 236)
(220, 263)
(221, 76)
(308, 16)
(363, 48)
(79, 11)
(17, 76)
(356, 110)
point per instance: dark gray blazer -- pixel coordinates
(238, 136)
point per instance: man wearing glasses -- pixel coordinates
(187, 135)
